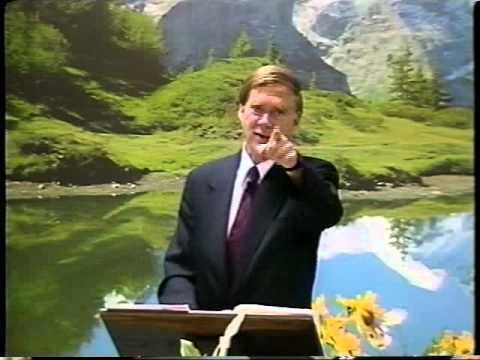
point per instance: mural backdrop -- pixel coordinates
(109, 104)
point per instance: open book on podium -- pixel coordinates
(156, 330)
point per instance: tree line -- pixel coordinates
(43, 36)
(243, 47)
(105, 37)
(410, 84)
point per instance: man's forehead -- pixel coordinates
(274, 89)
(285, 98)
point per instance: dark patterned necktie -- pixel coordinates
(237, 243)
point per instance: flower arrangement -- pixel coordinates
(361, 320)
(450, 343)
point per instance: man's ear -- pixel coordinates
(296, 125)
(294, 132)
(241, 110)
(297, 121)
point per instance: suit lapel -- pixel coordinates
(270, 197)
(220, 187)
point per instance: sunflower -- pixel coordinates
(333, 333)
(451, 344)
(370, 319)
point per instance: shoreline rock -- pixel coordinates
(150, 182)
(431, 186)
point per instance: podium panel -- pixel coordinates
(151, 332)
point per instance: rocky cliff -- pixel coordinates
(336, 39)
(356, 37)
(192, 28)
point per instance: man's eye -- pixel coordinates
(256, 110)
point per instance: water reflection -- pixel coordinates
(419, 265)
(67, 257)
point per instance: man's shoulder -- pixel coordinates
(215, 166)
(315, 161)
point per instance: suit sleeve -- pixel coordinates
(318, 189)
(178, 285)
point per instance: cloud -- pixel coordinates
(373, 235)
(456, 233)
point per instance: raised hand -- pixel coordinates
(280, 149)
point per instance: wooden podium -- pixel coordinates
(156, 330)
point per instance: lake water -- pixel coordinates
(421, 269)
(66, 258)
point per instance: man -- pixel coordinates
(251, 236)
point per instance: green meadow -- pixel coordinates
(193, 119)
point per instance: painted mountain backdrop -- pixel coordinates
(90, 85)
(357, 36)
(119, 100)
(345, 42)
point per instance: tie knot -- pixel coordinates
(253, 175)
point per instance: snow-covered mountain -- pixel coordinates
(357, 36)
(345, 42)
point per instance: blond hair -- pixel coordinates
(272, 75)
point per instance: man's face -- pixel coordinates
(266, 107)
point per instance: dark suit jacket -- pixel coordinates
(288, 220)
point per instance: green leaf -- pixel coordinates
(188, 349)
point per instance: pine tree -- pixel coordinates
(313, 81)
(242, 47)
(438, 96)
(420, 87)
(210, 57)
(410, 85)
(190, 69)
(272, 53)
(401, 76)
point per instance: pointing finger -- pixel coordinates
(277, 134)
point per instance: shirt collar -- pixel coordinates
(246, 163)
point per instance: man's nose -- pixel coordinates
(265, 119)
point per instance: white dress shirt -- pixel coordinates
(246, 163)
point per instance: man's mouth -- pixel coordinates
(262, 138)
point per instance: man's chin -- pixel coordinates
(257, 151)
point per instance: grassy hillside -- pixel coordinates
(193, 119)
(203, 100)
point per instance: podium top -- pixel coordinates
(180, 319)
